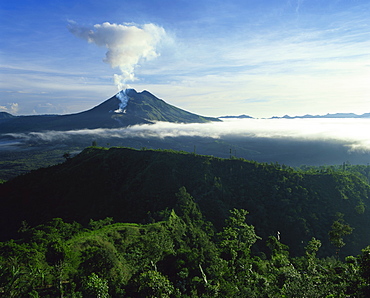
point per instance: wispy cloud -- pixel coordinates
(36, 86)
(306, 69)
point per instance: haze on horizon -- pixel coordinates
(260, 58)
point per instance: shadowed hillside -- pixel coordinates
(133, 186)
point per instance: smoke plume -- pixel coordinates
(123, 97)
(127, 45)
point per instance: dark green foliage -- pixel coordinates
(190, 235)
(364, 262)
(98, 224)
(172, 258)
(186, 208)
(97, 259)
(55, 252)
(299, 205)
(339, 229)
(237, 236)
(95, 286)
(153, 284)
(101, 183)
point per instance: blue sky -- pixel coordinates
(262, 58)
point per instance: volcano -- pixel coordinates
(138, 108)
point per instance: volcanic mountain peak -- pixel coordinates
(130, 107)
(125, 108)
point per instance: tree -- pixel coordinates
(55, 252)
(186, 208)
(154, 284)
(237, 236)
(311, 250)
(96, 286)
(98, 224)
(67, 156)
(339, 229)
(312, 247)
(98, 259)
(364, 262)
(55, 256)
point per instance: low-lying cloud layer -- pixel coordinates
(352, 133)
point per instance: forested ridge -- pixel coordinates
(286, 232)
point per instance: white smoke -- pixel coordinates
(127, 44)
(123, 97)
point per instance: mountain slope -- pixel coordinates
(142, 108)
(132, 186)
(5, 115)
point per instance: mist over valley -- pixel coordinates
(292, 142)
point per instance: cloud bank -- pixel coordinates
(352, 133)
(128, 45)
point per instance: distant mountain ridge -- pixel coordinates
(141, 108)
(336, 115)
(237, 117)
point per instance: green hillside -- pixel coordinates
(135, 185)
(121, 222)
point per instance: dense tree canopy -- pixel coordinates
(200, 227)
(175, 257)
